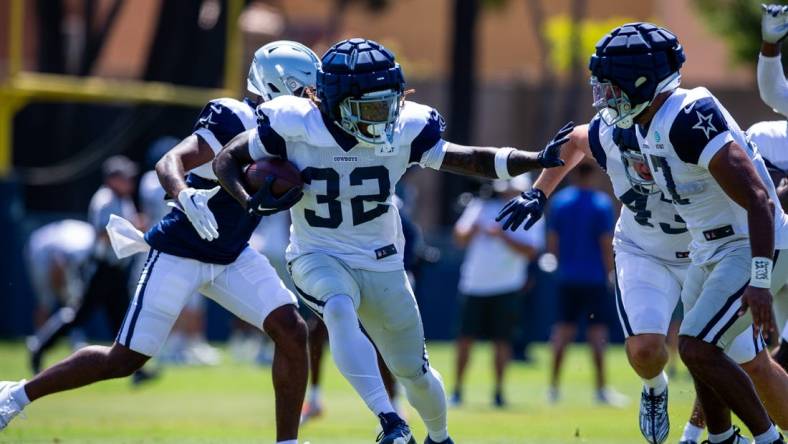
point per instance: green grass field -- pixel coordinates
(233, 403)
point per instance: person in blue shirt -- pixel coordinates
(580, 233)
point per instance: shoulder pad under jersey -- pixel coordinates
(699, 120)
(420, 127)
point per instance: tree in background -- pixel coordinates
(738, 22)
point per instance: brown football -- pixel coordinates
(286, 176)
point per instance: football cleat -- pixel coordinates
(654, 420)
(395, 430)
(737, 439)
(9, 408)
(429, 440)
(687, 441)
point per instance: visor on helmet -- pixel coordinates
(371, 117)
(613, 105)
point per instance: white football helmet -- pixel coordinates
(282, 67)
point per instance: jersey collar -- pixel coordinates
(343, 139)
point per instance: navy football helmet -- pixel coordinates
(360, 87)
(633, 64)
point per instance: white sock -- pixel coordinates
(658, 383)
(692, 433)
(289, 441)
(720, 437)
(426, 394)
(19, 394)
(354, 355)
(314, 395)
(769, 437)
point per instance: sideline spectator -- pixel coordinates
(492, 278)
(580, 232)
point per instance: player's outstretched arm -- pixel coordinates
(772, 84)
(736, 175)
(572, 153)
(496, 163)
(528, 208)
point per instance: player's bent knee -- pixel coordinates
(286, 327)
(122, 361)
(760, 368)
(691, 350)
(645, 349)
(339, 309)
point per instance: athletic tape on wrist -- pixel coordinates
(502, 163)
(761, 272)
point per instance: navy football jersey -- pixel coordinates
(218, 123)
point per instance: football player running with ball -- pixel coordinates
(702, 162)
(202, 245)
(352, 143)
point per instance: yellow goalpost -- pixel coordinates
(21, 87)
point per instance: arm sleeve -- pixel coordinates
(428, 148)
(217, 125)
(772, 84)
(595, 143)
(264, 141)
(699, 131)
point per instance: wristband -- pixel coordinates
(502, 162)
(761, 273)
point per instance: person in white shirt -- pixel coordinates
(56, 254)
(492, 277)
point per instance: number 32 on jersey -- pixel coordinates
(330, 176)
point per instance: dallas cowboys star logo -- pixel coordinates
(704, 124)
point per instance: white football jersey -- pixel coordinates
(347, 209)
(771, 140)
(648, 224)
(683, 137)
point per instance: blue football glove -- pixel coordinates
(527, 207)
(550, 156)
(263, 203)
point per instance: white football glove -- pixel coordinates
(194, 203)
(774, 23)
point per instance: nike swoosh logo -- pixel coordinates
(308, 73)
(216, 108)
(261, 208)
(687, 109)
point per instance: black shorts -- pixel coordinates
(490, 317)
(577, 302)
